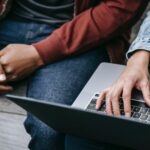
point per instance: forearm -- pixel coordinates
(92, 27)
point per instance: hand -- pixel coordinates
(135, 75)
(19, 60)
(3, 86)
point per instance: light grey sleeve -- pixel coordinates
(142, 40)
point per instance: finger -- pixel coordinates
(5, 56)
(108, 105)
(2, 52)
(8, 69)
(12, 77)
(3, 60)
(115, 107)
(127, 90)
(145, 88)
(115, 99)
(100, 99)
(2, 74)
(5, 88)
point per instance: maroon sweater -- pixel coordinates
(96, 22)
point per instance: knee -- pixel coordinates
(37, 128)
(42, 136)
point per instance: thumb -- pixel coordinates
(2, 52)
(2, 74)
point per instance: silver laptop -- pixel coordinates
(82, 119)
(102, 78)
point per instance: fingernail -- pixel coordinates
(2, 77)
(148, 102)
(8, 70)
(97, 106)
(127, 115)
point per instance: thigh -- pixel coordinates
(62, 81)
(23, 32)
(59, 82)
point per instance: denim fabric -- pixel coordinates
(14, 31)
(59, 82)
(142, 40)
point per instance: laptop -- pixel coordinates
(83, 120)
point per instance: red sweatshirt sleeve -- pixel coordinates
(92, 27)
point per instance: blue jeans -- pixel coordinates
(59, 82)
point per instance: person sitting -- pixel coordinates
(135, 75)
(59, 44)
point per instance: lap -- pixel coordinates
(59, 82)
(63, 80)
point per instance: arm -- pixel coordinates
(92, 27)
(136, 74)
(142, 41)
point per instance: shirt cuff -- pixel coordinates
(139, 43)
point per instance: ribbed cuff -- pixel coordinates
(139, 44)
(50, 49)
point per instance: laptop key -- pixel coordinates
(132, 113)
(137, 103)
(132, 107)
(96, 95)
(122, 112)
(104, 105)
(148, 113)
(93, 101)
(136, 109)
(102, 109)
(144, 117)
(148, 119)
(143, 110)
(91, 107)
(121, 106)
(136, 115)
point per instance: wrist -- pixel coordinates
(36, 57)
(140, 58)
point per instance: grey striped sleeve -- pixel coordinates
(142, 40)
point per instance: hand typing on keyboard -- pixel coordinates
(139, 110)
(135, 75)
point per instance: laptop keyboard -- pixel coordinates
(139, 110)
